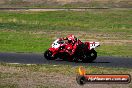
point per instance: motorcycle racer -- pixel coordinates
(72, 43)
(71, 39)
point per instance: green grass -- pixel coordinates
(23, 42)
(35, 31)
(104, 21)
(115, 50)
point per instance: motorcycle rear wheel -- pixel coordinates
(91, 56)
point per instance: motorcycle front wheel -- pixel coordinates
(48, 55)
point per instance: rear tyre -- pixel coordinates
(91, 56)
(48, 55)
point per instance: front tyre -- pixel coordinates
(48, 55)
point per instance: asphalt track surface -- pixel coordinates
(31, 58)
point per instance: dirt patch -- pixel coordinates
(103, 38)
(71, 3)
(28, 79)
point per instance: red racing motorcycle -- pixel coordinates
(84, 51)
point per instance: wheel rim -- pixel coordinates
(92, 54)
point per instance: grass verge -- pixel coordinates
(34, 31)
